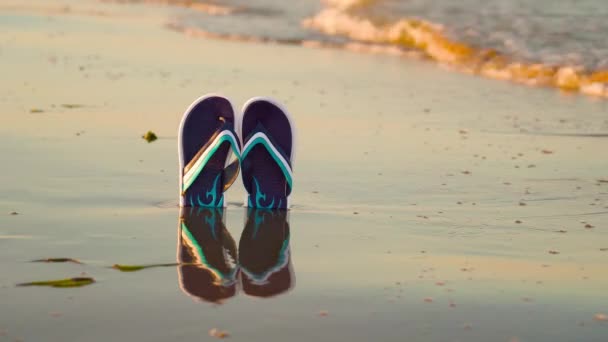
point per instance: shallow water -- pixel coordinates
(407, 203)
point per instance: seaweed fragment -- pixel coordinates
(71, 105)
(57, 260)
(62, 283)
(149, 136)
(135, 268)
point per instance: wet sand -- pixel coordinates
(428, 205)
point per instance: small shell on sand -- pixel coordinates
(601, 317)
(218, 333)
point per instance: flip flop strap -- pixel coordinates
(193, 169)
(261, 138)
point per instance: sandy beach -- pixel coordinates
(428, 205)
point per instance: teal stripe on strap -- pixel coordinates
(261, 140)
(212, 149)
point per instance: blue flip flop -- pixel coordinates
(207, 140)
(268, 140)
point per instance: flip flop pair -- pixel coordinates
(261, 139)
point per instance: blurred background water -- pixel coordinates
(552, 32)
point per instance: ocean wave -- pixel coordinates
(345, 4)
(359, 47)
(207, 8)
(430, 38)
(200, 33)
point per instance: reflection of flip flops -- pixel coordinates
(264, 253)
(267, 134)
(206, 141)
(206, 254)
